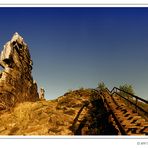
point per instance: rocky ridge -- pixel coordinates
(74, 113)
(54, 117)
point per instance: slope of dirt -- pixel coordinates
(53, 117)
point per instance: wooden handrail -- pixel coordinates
(114, 90)
(145, 101)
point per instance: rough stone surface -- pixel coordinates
(16, 82)
(74, 113)
(42, 94)
(52, 117)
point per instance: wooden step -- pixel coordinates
(145, 130)
(130, 120)
(131, 129)
(124, 120)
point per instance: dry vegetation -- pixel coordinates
(44, 117)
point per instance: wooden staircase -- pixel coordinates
(128, 120)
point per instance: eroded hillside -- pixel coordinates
(71, 114)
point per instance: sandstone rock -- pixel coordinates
(42, 94)
(16, 82)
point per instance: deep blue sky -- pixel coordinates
(78, 47)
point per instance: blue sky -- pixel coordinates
(79, 47)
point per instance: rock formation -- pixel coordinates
(16, 82)
(42, 94)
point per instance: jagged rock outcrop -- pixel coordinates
(16, 82)
(42, 94)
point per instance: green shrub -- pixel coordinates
(101, 86)
(127, 88)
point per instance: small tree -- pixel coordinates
(127, 88)
(101, 86)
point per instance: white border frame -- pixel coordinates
(73, 141)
